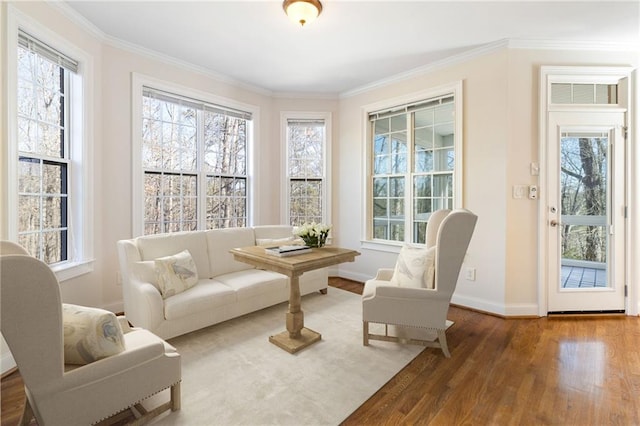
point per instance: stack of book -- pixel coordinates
(284, 251)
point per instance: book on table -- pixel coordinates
(283, 251)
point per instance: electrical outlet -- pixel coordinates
(470, 274)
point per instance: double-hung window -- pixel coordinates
(44, 144)
(194, 164)
(415, 166)
(306, 168)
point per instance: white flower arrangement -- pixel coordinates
(313, 234)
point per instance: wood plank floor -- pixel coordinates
(501, 372)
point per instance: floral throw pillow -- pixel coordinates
(415, 267)
(90, 334)
(176, 273)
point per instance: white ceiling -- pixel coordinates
(354, 43)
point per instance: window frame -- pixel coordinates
(80, 161)
(455, 89)
(139, 82)
(285, 204)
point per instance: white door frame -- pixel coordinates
(549, 74)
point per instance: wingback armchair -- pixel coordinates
(387, 302)
(59, 394)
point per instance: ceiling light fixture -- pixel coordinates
(302, 11)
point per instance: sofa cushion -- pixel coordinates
(220, 241)
(253, 282)
(152, 247)
(414, 267)
(176, 273)
(208, 294)
(90, 334)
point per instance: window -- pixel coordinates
(306, 175)
(414, 162)
(194, 163)
(44, 140)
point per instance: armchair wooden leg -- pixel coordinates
(365, 333)
(27, 413)
(175, 397)
(442, 338)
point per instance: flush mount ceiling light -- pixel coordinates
(302, 11)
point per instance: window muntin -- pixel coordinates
(43, 110)
(306, 140)
(193, 155)
(413, 167)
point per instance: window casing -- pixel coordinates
(194, 164)
(306, 138)
(414, 156)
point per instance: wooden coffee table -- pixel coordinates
(297, 336)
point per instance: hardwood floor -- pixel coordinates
(501, 372)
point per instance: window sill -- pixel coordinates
(68, 270)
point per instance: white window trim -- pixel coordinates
(326, 187)
(138, 81)
(456, 88)
(80, 255)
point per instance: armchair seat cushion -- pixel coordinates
(90, 334)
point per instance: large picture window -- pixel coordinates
(194, 162)
(43, 140)
(414, 163)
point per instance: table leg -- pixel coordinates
(297, 335)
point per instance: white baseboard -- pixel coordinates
(510, 310)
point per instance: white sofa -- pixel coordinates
(225, 289)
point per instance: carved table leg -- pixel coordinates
(297, 336)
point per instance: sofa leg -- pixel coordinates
(323, 291)
(175, 397)
(365, 333)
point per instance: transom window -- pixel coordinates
(414, 167)
(194, 161)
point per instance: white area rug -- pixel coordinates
(232, 375)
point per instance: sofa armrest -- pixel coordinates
(144, 306)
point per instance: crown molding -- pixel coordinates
(431, 67)
(117, 43)
(77, 18)
(531, 44)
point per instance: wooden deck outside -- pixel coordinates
(577, 277)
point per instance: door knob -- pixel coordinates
(554, 223)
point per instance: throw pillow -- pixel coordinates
(90, 334)
(415, 267)
(176, 273)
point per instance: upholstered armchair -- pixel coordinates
(415, 296)
(89, 391)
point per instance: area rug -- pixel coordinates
(232, 375)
